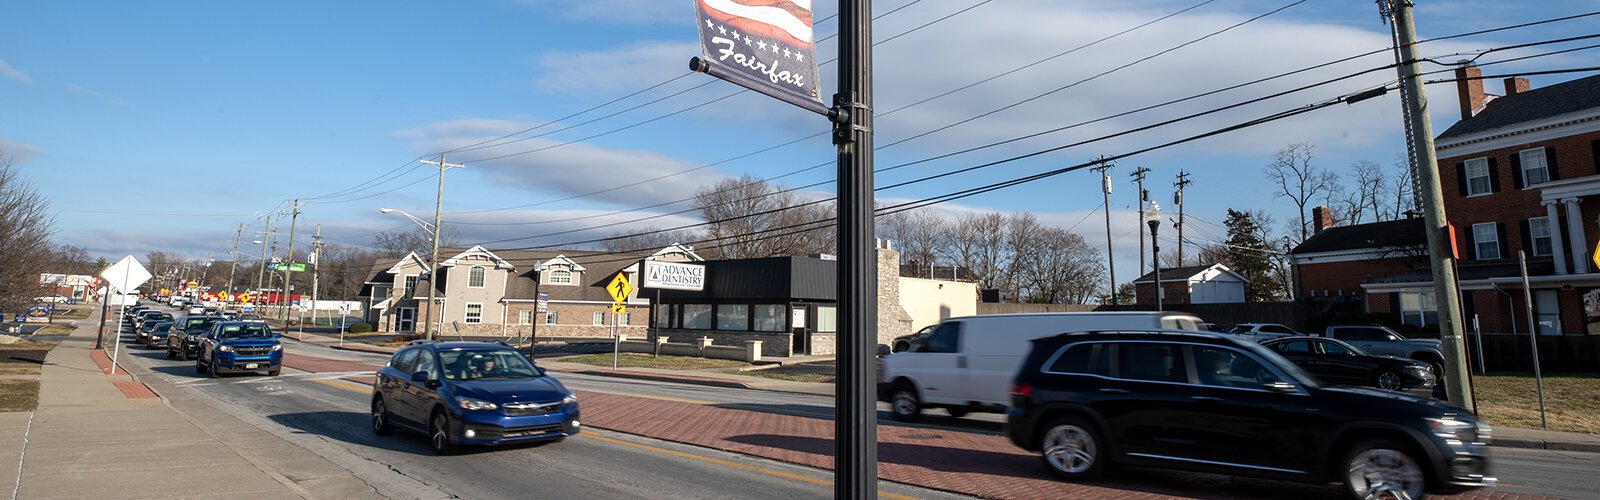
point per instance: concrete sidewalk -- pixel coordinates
(96, 435)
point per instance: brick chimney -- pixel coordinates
(1516, 86)
(1321, 218)
(1470, 91)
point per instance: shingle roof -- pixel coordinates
(1394, 233)
(1555, 100)
(1173, 273)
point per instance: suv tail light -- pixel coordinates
(1023, 390)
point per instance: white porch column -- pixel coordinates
(1555, 237)
(1580, 257)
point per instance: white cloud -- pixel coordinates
(564, 169)
(617, 70)
(19, 152)
(82, 91)
(15, 74)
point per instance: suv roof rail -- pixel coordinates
(421, 341)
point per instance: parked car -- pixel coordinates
(966, 363)
(235, 346)
(1262, 332)
(1378, 339)
(196, 309)
(1218, 404)
(1335, 362)
(905, 343)
(470, 393)
(183, 341)
(158, 335)
(1210, 327)
(56, 299)
(142, 334)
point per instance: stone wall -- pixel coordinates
(893, 321)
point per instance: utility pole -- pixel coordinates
(1144, 197)
(288, 264)
(1440, 250)
(1105, 190)
(316, 251)
(1177, 198)
(233, 258)
(262, 275)
(855, 422)
(433, 257)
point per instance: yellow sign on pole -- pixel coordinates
(222, 296)
(244, 297)
(619, 288)
(1595, 255)
(619, 309)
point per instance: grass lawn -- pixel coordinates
(55, 329)
(780, 374)
(75, 312)
(19, 395)
(1572, 402)
(19, 368)
(635, 360)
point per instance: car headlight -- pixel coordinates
(225, 348)
(473, 404)
(277, 347)
(1454, 430)
(570, 399)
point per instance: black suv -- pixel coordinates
(1209, 403)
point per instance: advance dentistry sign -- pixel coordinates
(762, 45)
(674, 275)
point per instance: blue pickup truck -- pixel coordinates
(239, 346)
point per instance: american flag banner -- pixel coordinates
(764, 45)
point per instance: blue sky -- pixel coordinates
(221, 111)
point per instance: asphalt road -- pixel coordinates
(329, 417)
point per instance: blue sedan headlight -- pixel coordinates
(473, 404)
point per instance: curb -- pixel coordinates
(1541, 444)
(727, 384)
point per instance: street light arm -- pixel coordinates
(426, 226)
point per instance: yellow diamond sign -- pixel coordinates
(619, 288)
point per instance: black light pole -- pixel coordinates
(855, 466)
(1153, 219)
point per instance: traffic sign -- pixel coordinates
(244, 297)
(193, 284)
(222, 296)
(619, 288)
(618, 309)
(1596, 256)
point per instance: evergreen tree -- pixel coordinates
(1248, 254)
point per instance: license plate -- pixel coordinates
(249, 366)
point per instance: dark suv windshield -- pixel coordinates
(199, 324)
(478, 364)
(250, 331)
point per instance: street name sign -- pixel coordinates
(674, 275)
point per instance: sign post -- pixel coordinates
(1533, 335)
(123, 277)
(619, 288)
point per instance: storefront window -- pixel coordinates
(697, 316)
(827, 319)
(735, 317)
(769, 317)
(664, 316)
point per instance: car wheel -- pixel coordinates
(199, 367)
(1380, 468)
(901, 346)
(1388, 380)
(1073, 449)
(957, 411)
(170, 355)
(380, 418)
(212, 368)
(439, 434)
(905, 405)
(273, 373)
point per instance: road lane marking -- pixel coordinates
(344, 385)
(732, 465)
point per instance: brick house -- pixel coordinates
(1336, 261)
(1213, 284)
(1520, 172)
(495, 292)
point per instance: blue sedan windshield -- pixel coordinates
(478, 364)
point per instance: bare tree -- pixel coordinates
(922, 236)
(25, 229)
(1302, 182)
(1058, 267)
(751, 218)
(977, 243)
(649, 238)
(398, 243)
(71, 259)
(1402, 188)
(1023, 237)
(1366, 197)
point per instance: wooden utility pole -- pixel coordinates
(1144, 197)
(288, 264)
(1440, 249)
(1105, 191)
(316, 251)
(233, 258)
(433, 257)
(1177, 198)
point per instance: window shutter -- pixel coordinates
(1516, 169)
(1594, 153)
(1550, 162)
(1527, 237)
(1472, 243)
(1494, 176)
(1500, 237)
(1394, 303)
(1467, 310)
(1461, 178)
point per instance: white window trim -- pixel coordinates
(412, 289)
(1550, 234)
(525, 317)
(550, 277)
(1523, 161)
(599, 318)
(466, 316)
(622, 319)
(1487, 176)
(480, 284)
(1477, 244)
(552, 317)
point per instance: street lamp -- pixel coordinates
(433, 263)
(1152, 218)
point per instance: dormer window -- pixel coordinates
(559, 277)
(475, 277)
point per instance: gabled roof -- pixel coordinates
(499, 263)
(560, 260)
(1169, 274)
(395, 269)
(1546, 102)
(676, 248)
(1373, 235)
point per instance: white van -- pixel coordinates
(966, 364)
